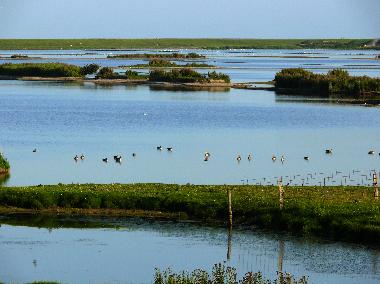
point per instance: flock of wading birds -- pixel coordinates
(207, 155)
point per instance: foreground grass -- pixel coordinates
(206, 43)
(221, 275)
(343, 213)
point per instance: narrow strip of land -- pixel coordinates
(185, 43)
(341, 213)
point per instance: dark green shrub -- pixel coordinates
(89, 69)
(106, 73)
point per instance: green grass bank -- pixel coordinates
(341, 213)
(191, 43)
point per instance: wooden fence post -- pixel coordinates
(375, 187)
(229, 193)
(281, 192)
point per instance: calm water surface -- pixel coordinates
(130, 253)
(62, 120)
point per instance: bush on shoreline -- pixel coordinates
(336, 81)
(4, 164)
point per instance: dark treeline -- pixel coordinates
(335, 82)
(191, 55)
(186, 75)
(46, 70)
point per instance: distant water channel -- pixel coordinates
(129, 253)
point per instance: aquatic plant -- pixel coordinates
(160, 63)
(221, 274)
(106, 73)
(133, 75)
(335, 82)
(4, 164)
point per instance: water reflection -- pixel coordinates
(136, 246)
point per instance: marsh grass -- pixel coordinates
(221, 274)
(342, 213)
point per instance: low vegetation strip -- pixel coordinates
(335, 82)
(46, 70)
(194, 43)
(158, 63)
(343, 213)
(191, 55)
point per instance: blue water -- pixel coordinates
(130, 253)
(62, 120)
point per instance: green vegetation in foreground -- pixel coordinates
(203, 43)
(46, 70)
(186, 75)
(159, 63)
(221, 275)
(343, 213)
(4, 164)
(191, 55)
(335, 82)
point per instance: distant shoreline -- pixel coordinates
(185, 43)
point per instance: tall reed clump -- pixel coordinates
(4, 165)
(335, 82)
(221, 275)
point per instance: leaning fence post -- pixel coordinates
(281, 192)
(229, 193)
(375, 187)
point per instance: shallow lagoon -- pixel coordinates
(62, 120)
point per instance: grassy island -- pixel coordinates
(4, 165)
(341, 213)
(191, 55)
(159, 63)
(336, 82)
(189, 43)
(186, 75)
(46, 70)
